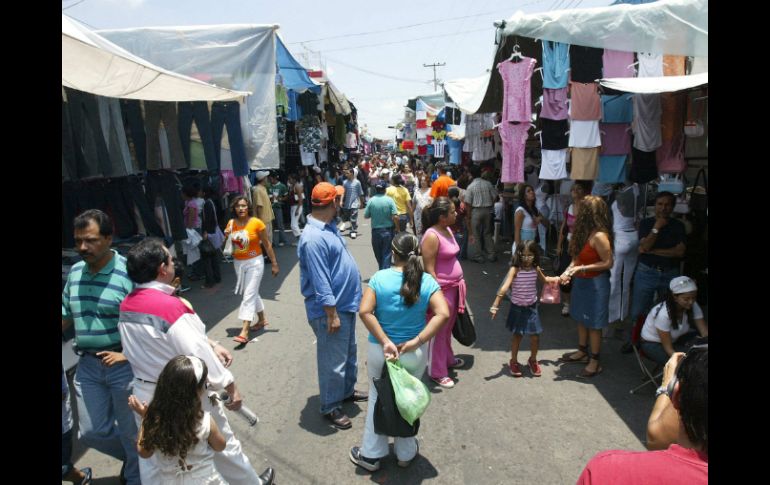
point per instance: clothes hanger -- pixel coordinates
(516, 54)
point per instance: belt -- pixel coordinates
(660, 269)
(144, 380)
(94, 352)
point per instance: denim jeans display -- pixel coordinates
(228, 114)
(69, 169)
(87, 132)
(115, 136)
(197, 111)
(167, 186)
(154, 113)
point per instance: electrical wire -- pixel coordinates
(374, 73)
(485, 29)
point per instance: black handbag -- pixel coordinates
(464, 331)
(387, 419)
(206, 248)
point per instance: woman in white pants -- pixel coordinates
(393, 309)
(296, 198)
(248, 232)
(626, 252)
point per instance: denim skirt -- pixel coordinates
(524, 320)
(590, 301)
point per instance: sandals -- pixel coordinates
(241, 339)
(569, 357)
(258, 326)
(588, 374)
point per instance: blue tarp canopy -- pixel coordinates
(294, 76)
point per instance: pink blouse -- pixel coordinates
(448, 268)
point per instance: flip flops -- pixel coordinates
(568, 358)
(241, 339)
(258, 326)
(588, 374)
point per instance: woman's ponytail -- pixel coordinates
(407, 248)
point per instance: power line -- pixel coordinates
(485, 29)
(374, 73)
(343, 36)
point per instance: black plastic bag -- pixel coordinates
(206, 248)
(464, 331)
(387, 420)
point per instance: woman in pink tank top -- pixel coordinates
(439, 256)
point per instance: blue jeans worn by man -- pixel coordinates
(381, 240)
(647, 282)
(279, 224)
(335, 379)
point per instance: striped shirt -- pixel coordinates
(92, 301)
(353, 193)
(480, 193)
(524, 288)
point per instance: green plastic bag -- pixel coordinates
(412, 396)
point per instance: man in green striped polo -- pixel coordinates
(103, 381)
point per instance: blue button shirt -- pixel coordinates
(327, 271)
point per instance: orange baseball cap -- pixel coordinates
(323, 194)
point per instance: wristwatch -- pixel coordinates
(661, 390)
(655, 231)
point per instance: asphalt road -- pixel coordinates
(490, 429)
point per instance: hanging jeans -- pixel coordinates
(166, 186)
(154, 113)
(199, 112)
(69, 161)
(624, 262)
(132, 116)
(69, 209)
(122, 195)
(87, 131)
(115, 137)
(228, 114)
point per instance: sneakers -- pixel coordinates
(445, 382)
(534, 367)
(371, 464)
(87, 476)
(457, 363)
(565, 310)
(406, 463)
(353, 235)
(515, 368)
(281, 244)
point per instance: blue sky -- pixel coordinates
(377, 78)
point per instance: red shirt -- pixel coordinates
(673, 466)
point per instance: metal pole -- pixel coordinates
(435, 83)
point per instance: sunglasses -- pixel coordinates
(672, 384)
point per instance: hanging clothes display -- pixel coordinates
(307, 157)
(308, 103)
(616, 138)
(517, 97)
(673, 107)
(585, 103)
(556, 62)
(292, 113)
(612, 169)
(309, 129)
(646, 124)
(514, 138)
(455, 150)
(617, 64)
(554, 135)
(584, 134)
(555, 105)
(585, 63)
(553, 165)
(643, 166)
(585, 163)
(650, 65)
(438, 147)
(617, 108)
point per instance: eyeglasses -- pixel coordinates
(672, 383)
(527, 256)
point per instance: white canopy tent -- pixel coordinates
(650, 85)
(95, 65)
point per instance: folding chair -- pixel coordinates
(649, 377)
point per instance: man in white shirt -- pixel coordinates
(156, 326)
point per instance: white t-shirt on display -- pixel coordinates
(584, 134)
(553, 165)
(663, 322)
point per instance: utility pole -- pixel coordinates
(435, 81)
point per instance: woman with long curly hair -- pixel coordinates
(591, 250)
(175, 425)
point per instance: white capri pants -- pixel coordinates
(376, 445)
(295, 215)
(624, 263)
(249, 273)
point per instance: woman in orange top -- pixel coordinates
(591, 252)
(248, 232)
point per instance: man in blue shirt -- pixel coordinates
(384, 214)
(331, 285)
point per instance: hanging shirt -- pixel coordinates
(616, 138)
(617, 108)
(643, 166)
(556, 64)
(585, 163)
(438, 147)
(646, 124)
(517, 97)
(308, 158)
(612, 169)
(585, 102)
(514, 138)
(554, 104)
(617, 64)
(584, 134)
(650, 65)
(586, 63)
(455, 151)
(554, 135)
(553, 165)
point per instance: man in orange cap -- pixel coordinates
(332, 295)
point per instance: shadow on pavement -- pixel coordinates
(391, 474)
(310, 419)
